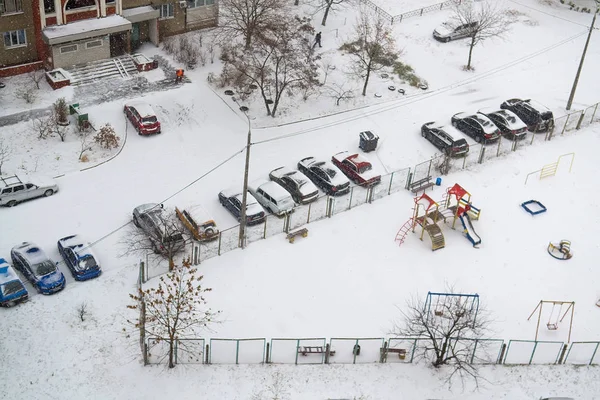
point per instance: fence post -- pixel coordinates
(370, 195)
(502, 351)
(390, 185)
(594, 113)
(237, 351)
(206, 354)
(330, 206)
(142, 277)
(308, 216)
(594, 354)
(382, 356)
(499, 143)
(412, 356)
(146, 354)
(327, 347)
(533, 352)
(267, 354)
(220, 235)
(351, 194)
(474, 350)
(176, 341)
(580, 120)
(297, 349)
(562, 354)
(481, 154)
(565, 125)
(421, 13)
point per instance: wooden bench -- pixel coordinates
(299, 232)
(306, 350)
(422, 184)
(401, 352)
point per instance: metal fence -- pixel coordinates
(302, 351)
(396, 19)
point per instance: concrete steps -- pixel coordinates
(118, 67)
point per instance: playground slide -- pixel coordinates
(469, 230)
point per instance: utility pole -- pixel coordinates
(572, 95)
(243, 221)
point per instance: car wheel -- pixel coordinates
(11, 203)
(135, 221)
(137, 128)
(48, 192)
(446, 40)
(478, 139)
(455, 124)
(423, 133)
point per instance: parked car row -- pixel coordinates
(42, 272)
(289, 187)
(512, 120)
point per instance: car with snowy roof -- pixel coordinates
(325, 175)
(15, 189)
(537, 116)
(508, 122)
(12, 290)
(446, 138)
(357, 168)
(155, 223)
(297, 184)
(451, 30)
(232, 200)
(272, 197)
(79, 257)
(196, 219)
(478, 126)
(142, 117)
(30, 260)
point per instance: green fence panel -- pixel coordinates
(583, 353)
(521, 352)
(190, 351)
(292, 351)
(355, 350)
(237, 351)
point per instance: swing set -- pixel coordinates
(553, 321)
(446, 304)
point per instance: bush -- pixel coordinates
(107, 138)
(406, 73)
(61, 111)
(27, 94)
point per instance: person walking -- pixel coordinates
(317, 40)
(178, 75)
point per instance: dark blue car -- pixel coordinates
(12, 290)
(38, 268)
(78, 256)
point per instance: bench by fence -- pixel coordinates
(421, 185)
(386, 350)
(299, 232)
(306, 350)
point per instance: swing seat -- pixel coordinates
(438, 313)
(552, 327)
(598, 303)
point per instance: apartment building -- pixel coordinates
(59, 33)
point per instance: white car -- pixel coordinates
(303, 191)
(14, 190)
(451, 31)
(272, 197)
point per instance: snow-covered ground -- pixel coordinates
(348, 277)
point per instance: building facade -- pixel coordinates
(59, 33)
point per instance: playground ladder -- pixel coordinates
(403, 231)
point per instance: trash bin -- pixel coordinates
(438, 181)
(368, 141)
(356, 350)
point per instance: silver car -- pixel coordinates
(14, 190)
(450, 31)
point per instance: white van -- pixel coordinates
(272, 197)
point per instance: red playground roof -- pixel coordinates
(458, 191)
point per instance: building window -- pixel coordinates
(68, 49)
(199, 3)
(110, 1)
(15, 38)
(49, 6)
(10, 6)
(92, 44)
(166, 11)
(73, 4)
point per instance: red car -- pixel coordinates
(143, 117)
(357, 168)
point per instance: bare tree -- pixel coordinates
(488, 20)
(276, 387)
(445, 334)
(327, 64)
(330, 6)
(43, 126)
(175, 309)
(276, 65)
(36, 77)
(340, 92)
(27, 94)
(372, 46)
(107, 138)
(249, 18)
(59, 129)
(5, 152)
(85, 142)
(82, 311)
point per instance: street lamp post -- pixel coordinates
(243, 219)
(572, 95)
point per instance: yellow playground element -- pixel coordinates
(550, 169)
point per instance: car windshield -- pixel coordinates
(177, 237)
(11, 287)
(484, 122)
(365, 168)
(547, 115)
(44, 268)
(87, 262)
(149, 120)
(460, 143)
(329, 171)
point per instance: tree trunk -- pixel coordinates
(364, 92)
(327, 8)
(296, 2)
(171, 353)
(248, 40)
(470, 53)
(171, 263)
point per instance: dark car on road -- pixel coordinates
(478, 126)
(357, 168)
(325, 175)
(232, 201)
(537, 117)
(445, 138)
(38, 268)
(303, 191)
(509, 124)
(79, 257)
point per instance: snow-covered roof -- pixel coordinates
(7, 274)
(31, 252)
(138, 14)
(85, 29)
(143, 108)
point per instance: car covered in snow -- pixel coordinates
(451, 31)
(272, 197)
(445, 138)
(507, 121)
(232, 201)
(15, 189)
(325, 175)
(38, 268)
(12, 290)
(79, 257)
(357, 168)
(303, 191)
(196, 219)
(478, 126)
(142, 117)
(164, 237)
(537, 116)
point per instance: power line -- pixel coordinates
(394, 104)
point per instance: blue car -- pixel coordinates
(12, 291)
(78, 256)
(38, 268)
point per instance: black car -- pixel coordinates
(165, 238)
(232, 201)
(537, 117)
(325, 175)
(478, 126)
(303, 191)
(507, 121)
(445, 138)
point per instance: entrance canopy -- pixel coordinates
(139, 14)
(85, 29)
